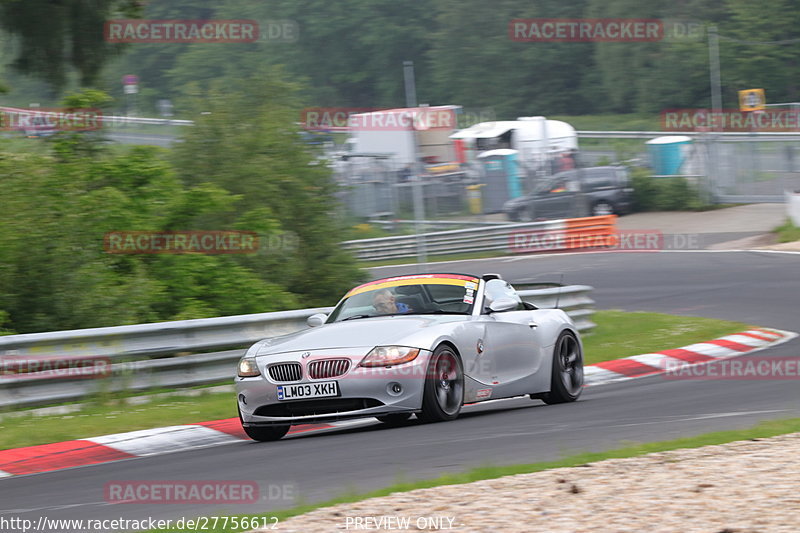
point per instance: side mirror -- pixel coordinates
(503, 304)
(316, 320)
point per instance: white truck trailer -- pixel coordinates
(536, 139)
(393, 132)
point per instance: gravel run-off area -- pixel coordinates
(741, 487)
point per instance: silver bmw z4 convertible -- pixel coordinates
(418, 344)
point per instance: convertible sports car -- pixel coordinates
(421, 344)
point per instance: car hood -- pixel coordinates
(359, 333)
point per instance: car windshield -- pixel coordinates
(409, 295)
(545, 186)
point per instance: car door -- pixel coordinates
(557, 199)
(511, 349)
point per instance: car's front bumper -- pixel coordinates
(363, 392)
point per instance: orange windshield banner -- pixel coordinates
(416, 279)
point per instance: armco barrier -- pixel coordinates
(127, 351)
(572, 234)
(505, 238)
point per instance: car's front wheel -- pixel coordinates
(602, 208)
(525, 215)
(265, 433)
(444, 387)
(566, 381)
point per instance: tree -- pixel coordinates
(476, 64)
(760, 45)
(247, 143)
(55, 273)
(54, 36)
(152, 62)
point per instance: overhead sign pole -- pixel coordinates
(130, 84)
(752, 101)
(716, 108)
(417, 192)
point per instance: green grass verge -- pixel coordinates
(622, 334)
(788, 232)
(612, 122)
(763, 430)
(619, 334)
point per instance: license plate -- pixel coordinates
(323, 389)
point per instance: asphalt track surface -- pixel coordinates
(754, 287)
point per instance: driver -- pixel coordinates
(385, 303)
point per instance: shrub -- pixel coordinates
(663, 194)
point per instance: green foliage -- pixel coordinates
(750, 63)
(616, 122)
(366, 231)
(87, 99)
(108, 412)
(55, 37)
(350, 53)
(5, 319)
(476, 64)
(787, 232)
(662, 194)
(59, 204)
(246, 143)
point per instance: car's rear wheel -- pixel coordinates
(394, 419)
(265, 433)
(566, 382)
(444, 387)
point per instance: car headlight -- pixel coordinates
(389, 355)
(248, 368)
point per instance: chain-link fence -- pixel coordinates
(376, 187)
(377, 190)
(725, 168)
(755, 170)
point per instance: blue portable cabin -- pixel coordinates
(503, 178)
